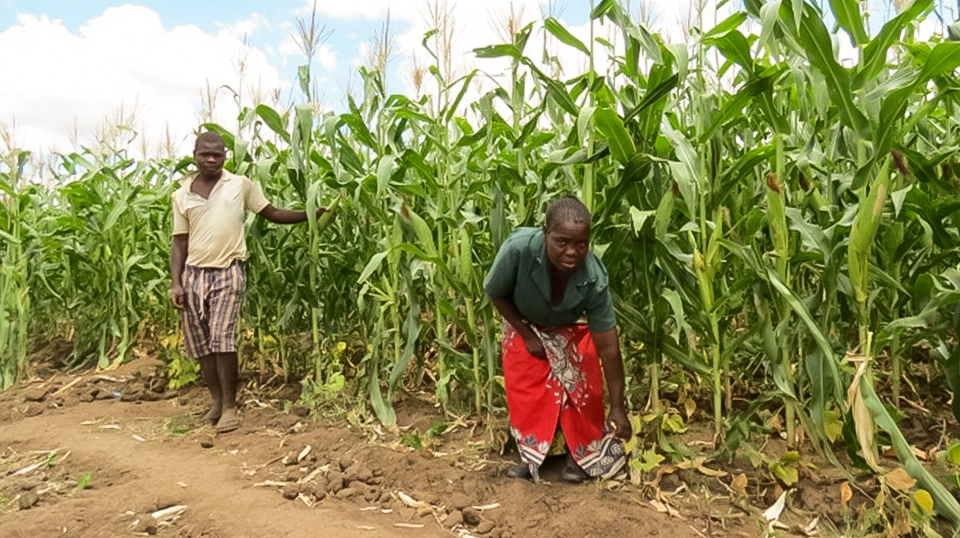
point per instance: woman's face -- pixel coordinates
(567, 245)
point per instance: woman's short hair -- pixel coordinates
(567, 208)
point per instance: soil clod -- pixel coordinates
(471, 516)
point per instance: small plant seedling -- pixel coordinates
(412, 439)
(784, 469)
(84, 481)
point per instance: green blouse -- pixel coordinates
(520, 270)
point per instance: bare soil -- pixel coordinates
(118, 454)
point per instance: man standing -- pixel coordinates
(207, 261)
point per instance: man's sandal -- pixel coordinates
(227, 426)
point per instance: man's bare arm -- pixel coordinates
(178, 260)
(286, 216)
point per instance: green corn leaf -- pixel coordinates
(464, 86)
(734, 47)
(372, 266)
(812, 236)
(274, 121)
(822, 383)
(498, 51)
(864, 230)
(812, 35)
(611, 126)
(655, 96)
(465, 258)
(730, 23)
(777, 220)
(423, 233)
(327, 217)
(946, 503)
(385, 171)
(360, 130)
(303, 76)
(944, 59)
(555, 89)
(383, 408)
(875, 52)
(411, 328)
(553, 26)
(119, 207)
(951, 371)
(848, 17)
(769, 15)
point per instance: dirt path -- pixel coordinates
(143, 476)
(279, 475)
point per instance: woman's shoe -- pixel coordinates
(521, 470)
(573, 474)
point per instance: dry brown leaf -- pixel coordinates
(690, 407)
(739, 483)
(691, 464)
(899, 480)
(845, 495)
(711, 472)
(666, 508)
(862, 419)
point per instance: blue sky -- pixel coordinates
(72, 68)
(83, 64)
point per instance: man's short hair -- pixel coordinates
(209, 137)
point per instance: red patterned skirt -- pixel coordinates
(565, 389)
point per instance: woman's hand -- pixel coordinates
(535, 346)
(620, 423)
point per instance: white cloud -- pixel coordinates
(250, 26)
(327, 57)
(122, 58)
(371, 10)
(289, 47)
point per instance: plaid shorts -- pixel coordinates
(212, 301)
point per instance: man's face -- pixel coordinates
(210, 157)
(567, 245)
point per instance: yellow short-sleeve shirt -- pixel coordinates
(215, 225)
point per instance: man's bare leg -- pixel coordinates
(211, 375)
(229, 374)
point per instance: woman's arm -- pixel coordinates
(608, 347)
(511, 315)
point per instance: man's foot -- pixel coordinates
(573, 474)
(521, 470)
(228, 422)
(212, 416)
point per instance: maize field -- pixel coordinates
(782, 230)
